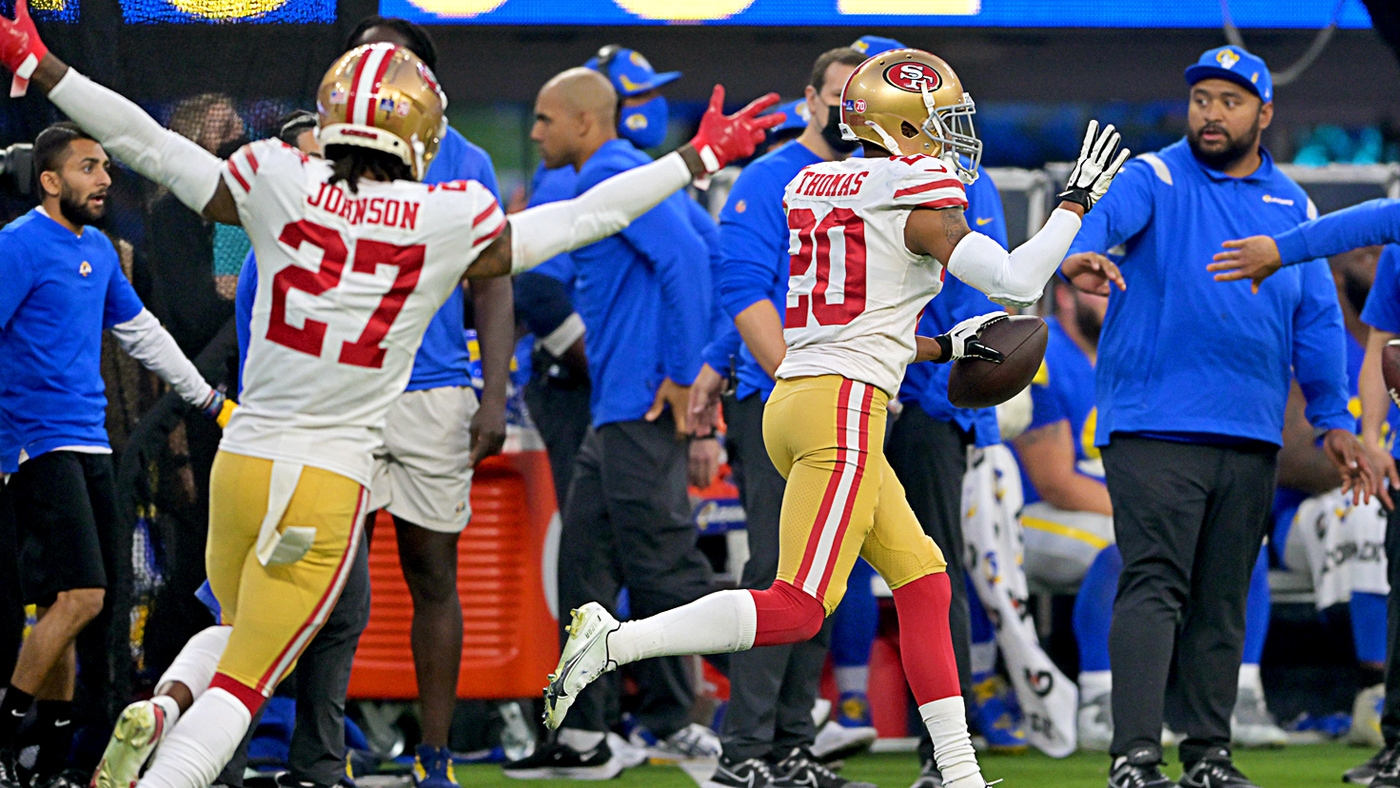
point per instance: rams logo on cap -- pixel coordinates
(913, 77)
(1227, 58)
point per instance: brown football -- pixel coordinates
(974, 383)
(1390, 369)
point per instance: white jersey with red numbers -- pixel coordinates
(347, 283)
(854, 291)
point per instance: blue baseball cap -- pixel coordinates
(796, 120)
(628, 70)
(870, 46)
(1237, 65)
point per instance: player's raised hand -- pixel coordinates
(1099, 162)
(1091, 272)
(724, 138)
(1254, 258)
(21, 49)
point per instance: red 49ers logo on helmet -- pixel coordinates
(910, 76)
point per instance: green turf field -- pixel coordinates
(1293, 767)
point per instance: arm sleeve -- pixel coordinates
(1382, 309)
(540, 233)
(1122, 213)
(1318, 361)
(127, 132)
(1370, 223)
(1016, 278)
(665, 237)
(144, 339)
(18, 276)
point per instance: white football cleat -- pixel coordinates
(585, 658)
(1095, 723)
(139, 729)
(836, 742)
(1251, 724)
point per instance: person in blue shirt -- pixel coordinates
(63, 286)
(767, 726)
(435, 434)
(1191, 385)
(1382, 315)
(1370, 223)
(644, 299)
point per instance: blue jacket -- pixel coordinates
(442, 359)
(58, 291)
(1382, 311)
(1184, 357)
(548, 186)
(644, 295)
(926, 385)
(1370, 223)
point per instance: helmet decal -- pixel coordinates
(913, 76)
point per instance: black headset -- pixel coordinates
(605, 57)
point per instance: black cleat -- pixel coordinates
(1140, 768)
(1366, 772)
(1215, 770)
(929, 776)
(801, 770)
(753, 773)
(557, 761)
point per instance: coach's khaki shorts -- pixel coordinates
(423, 475)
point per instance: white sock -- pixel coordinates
(1093, 683)
(1249, 678)
(983, 657)
(720, 623)
(853, 679)
(194, 753)
(198, 661)
(171, 709)
(952, 744)
(580, 740)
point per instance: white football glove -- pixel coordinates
(1096, 168)
(963, 340)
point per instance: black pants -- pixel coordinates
(11, 603)
(1189, 520)
(930, 459)
(1390, 716)
(320, 681)
(562, 415)
(627, 523)
(771, 689)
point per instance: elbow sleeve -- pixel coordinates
(1016, 278)
(128, 133)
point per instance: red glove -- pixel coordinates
(725, 138)
(20, 48)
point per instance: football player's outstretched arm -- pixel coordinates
(537, 234)
(190, 172)
(1017, 278)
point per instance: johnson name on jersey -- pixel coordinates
(854, 290)
(347, 283)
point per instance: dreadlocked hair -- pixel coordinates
(351, 162)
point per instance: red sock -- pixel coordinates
(925, 642)
(787, 615)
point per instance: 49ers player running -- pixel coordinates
(354, 257)
(870, 240)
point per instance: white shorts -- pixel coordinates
(424, 475)
(1060, 544)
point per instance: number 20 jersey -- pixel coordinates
(855, 291)
(347, 283)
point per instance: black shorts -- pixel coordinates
(65, 510)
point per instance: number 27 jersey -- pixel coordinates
(854, 290)
(347, 284)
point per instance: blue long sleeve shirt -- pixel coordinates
(926, 385)
(1382, 312)
(548, 186)
(754, 250)
(443, 359)
(1367, 224)
(644, 295)
(1184, 357)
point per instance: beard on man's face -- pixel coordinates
(82, 209)
(1088, 320)
(1221, 157)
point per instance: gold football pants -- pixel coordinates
(276, 609)
(826, 436)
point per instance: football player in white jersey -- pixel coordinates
(870, 241)
(354, 257)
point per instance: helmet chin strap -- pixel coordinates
(418, 150)
(885, 138)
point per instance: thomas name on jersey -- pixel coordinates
(822, 184)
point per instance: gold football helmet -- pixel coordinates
(383, 97)
(908, 101)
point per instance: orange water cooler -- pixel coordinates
(505, 560)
